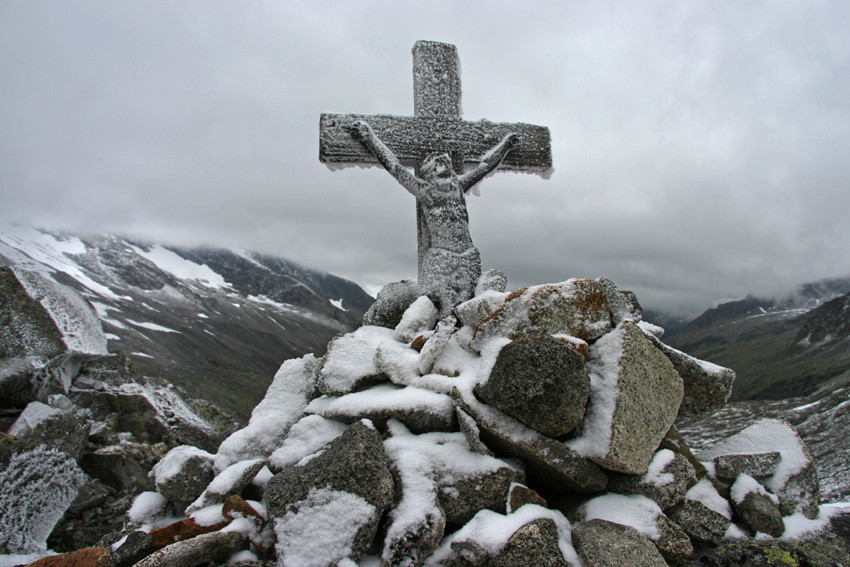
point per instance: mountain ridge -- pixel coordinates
(216, 322)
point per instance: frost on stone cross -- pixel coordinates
(449, 156)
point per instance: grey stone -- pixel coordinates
(760, 513)
(707, 386)
(391, 303)
(623, 305)
(756, 465)
(650, 392)
(183, 473)
(520, 495)
(201, 549)
(673, 542)
(462, 498)
(820, 550)
(492, 280)
(479, 307)
(534, 543)
(547, 461)
(600, 543)
(416, 542)
(577, 307)
(354, 463)
(470, 430)
(240, 476)
(801, 492)
(699, 521)
(135, 547)
(540, 381)
(665, 495)
(349, 364)
(435, 344)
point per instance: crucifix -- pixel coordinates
(449, 156)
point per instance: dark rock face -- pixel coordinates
(540, 381)
(600, 543)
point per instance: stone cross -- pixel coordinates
(437, 126)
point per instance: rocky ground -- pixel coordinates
(530, 428)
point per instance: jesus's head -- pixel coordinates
(437, 166)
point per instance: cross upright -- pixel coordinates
(474, 149)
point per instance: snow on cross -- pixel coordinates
(450, 156)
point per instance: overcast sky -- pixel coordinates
(701, 148)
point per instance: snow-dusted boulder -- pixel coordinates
(183, 473)
(635, 398)
(349, 364)
(293, 387)
(540, 381)
(707, 386)
(391, 303)
(754, 505)
(436, 344)
(795, 480)
(666, 480)
(327, 509)
(622, 304)
(530, 536)
(229, 482)
(576, 307)
(756, 465)
(601, 543)
(700, 522)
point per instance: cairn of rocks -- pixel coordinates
(526, 428)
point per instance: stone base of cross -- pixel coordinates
(473, 148)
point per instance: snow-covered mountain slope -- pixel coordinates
(216, 322)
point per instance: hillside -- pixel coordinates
(779, 348)
(217, 323)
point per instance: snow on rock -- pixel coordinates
(420, 410)
(33, 414)
(420, 317)
(73, 316)
(491, 531)
(182, 473)
(795, 480)
(38, 486)
(291, 390)
(146, 508)
(633, 510)
(181, 268)
(350, 361)
(321, 529)
(305, 437)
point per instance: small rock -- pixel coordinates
(666, 486)
(462, 498)
(623, 305)
(520, 495)
(88, 557)
(673, 542)
(391, 303)
(349, 364)
(470, 430)
(491, 280)
(183, 473)
(479, 307)
(181, 530)
(534, 543)
(436, 344)
(214, 546)
(757, 465)
(699, 521)
(420, 317)
(600, 543)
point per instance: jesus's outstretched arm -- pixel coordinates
(386, 157)
(489, 162)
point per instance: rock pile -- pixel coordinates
(527, 428)
(83, 429)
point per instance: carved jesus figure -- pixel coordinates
(450, 265)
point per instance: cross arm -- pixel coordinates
(410, 138)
